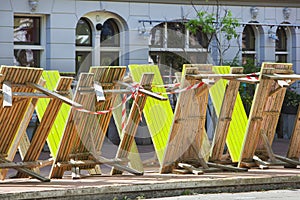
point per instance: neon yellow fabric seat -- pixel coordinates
(54, 137)
(158, 114)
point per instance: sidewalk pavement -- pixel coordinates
(152, 184)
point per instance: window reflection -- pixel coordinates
(83, 39)
(110, 34)
(157, 33)
(281, 45)
(176, 36)
(248, 45)
(281, 58)
(83, 61)
(248, 40)
(83, 33)
(109, 58)
(248, 59)
(176, 32)
(27, 30)
(282, 39)
(26, 58)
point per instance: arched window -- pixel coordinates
(110, 34)
(83, 33)
(248, 45)
(84, 45)
(110, 43)
(281, 51)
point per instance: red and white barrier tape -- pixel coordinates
(102, 112)
(167, 85)
(252, 76)
(124, 99)
(135, 92)
(191, 87)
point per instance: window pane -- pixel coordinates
(175, 60)
(110, 34)
(109, 59)
(83, 61)
(27, 58)
(83, 33)
(248, 40)
(282, 39)
(157, 34)
(176, 33)
(281, 58)
(27, 30)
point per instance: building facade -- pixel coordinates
(71, 35)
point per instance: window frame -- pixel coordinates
(84, 48)
(281, 54)
(116, 42)
(107, 48)
(36, 43)
(40, 47)
(251, 41)
(249, 52)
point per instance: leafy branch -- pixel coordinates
(215, 27)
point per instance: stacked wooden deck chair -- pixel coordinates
(52, 114)
(294, 146)
(189, 150)
(232, 118)
(274, 78)
(16, 99)
(21, 140)
(85, 129)
(186, 134)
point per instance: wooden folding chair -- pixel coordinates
(274, 78)
(16, 100)
(50, 114)
(52, 79)
(188, 130)
(188, 146)
(86, 128)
